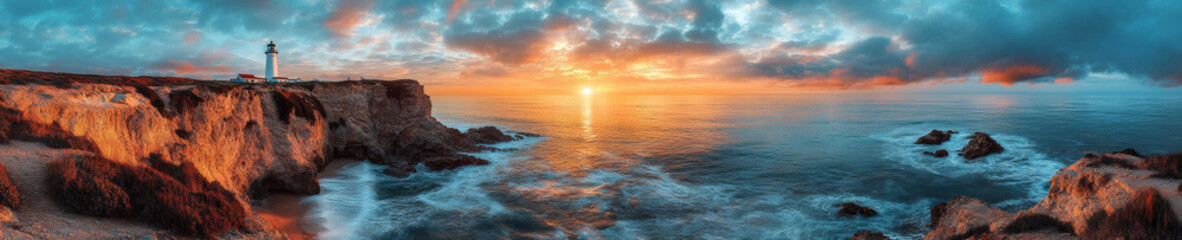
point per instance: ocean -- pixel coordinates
(734, 166)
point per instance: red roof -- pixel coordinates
(246, 75)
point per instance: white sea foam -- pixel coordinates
(349, 205)
(1020, 165)
(347, 202)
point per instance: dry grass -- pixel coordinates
(64, 80)
(1168, 166)
(173, 196)
(1147, 216)
(9, 197)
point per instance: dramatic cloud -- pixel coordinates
(620, 44)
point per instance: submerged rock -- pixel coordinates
(935, 137)
(868, 235)
(445, 163)
(853, 209)
(981, 145)
(939, 153)
(487, 135)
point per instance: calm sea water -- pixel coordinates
(734, 167)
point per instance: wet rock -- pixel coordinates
(487, 135)
(853, 209)
(398, 172)
(939, 153)
(868, 235)
(935, 137)
(460, 160)
(523, 135)
(981, 145)
(963, 217)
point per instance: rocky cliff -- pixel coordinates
(1107, 196)
(251, 139)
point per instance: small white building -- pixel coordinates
(272, 75)
(248, 78)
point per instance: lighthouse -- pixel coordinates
(272, 62)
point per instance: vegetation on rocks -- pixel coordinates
(173, 196)
(9, 197)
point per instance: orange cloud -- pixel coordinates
(455, 9)
(346, 16)
(186, 67)
(1007, 76)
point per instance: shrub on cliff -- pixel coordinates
(173, 196)
(14, 127)
(1036, 222)
(8, 195)
(1147, 216)
(83, 185)
(1168, 166)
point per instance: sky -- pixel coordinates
(621, 46)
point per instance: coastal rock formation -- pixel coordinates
(247, 139)
(853, 209)
(390, 122)
(935, 137)
(1106, 196)
(981, 145)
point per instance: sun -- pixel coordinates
(586, 91)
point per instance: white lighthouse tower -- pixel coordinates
(272, 62)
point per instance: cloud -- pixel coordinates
(798, 43)
(346, 16)
(185, 67)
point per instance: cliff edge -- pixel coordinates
(1107, 196)
(244, 140)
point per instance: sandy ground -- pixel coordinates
(40, 218)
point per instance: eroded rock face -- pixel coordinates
(232, 134)
(981, 145)
(1104, 196)
(250, 139)
(390, 123)
(935, 137)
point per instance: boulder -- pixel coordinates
(487, 135)
(868, 235)
(935, 137)
(853, 209)
(453, 162)
(939, 153)
(981, 145)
